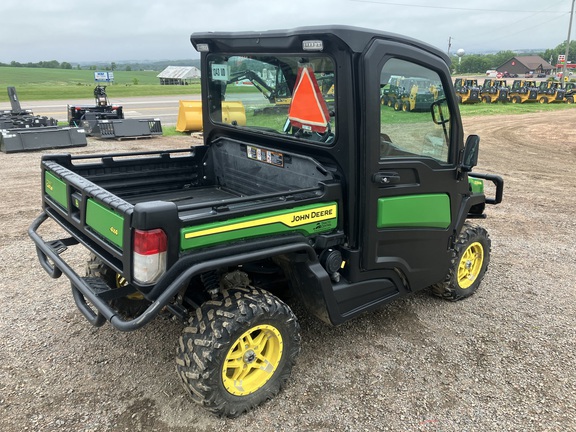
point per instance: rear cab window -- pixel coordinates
(288, 95)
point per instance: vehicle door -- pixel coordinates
(412, 193)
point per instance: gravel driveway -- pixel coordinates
(502, 360)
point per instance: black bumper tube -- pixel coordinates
(167, 287)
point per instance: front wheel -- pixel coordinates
(238, 350)
(470, 259)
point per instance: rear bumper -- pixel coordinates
(90, 290)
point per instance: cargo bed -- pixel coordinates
(198, 185)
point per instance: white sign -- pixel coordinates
(103, 76)
(219, 72)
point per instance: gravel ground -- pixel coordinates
(502, 360)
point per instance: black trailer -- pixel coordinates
(21, 130)
(104, 120)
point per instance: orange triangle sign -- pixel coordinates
(308, 110)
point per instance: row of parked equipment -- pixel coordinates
(521, 91)
(417, 94)
(21, 130)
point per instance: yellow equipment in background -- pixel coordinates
(190, 115)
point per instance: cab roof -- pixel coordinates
(357, 39)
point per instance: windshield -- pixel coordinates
(289, 95)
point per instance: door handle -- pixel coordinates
(386, 178)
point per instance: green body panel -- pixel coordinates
(308, 220)
(56, 189)
(476, 185)
(425, 211)
(105, 222)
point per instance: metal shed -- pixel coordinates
(178, 75)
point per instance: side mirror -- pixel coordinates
(470, 158)
(440, 112)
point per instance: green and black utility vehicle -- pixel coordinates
(342, 208)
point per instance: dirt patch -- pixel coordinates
(502, 359)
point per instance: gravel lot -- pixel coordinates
(502, 360)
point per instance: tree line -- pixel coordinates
(480, 63)
(52, 64)
(112, 66)
(469, 63)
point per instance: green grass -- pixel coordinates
(467, 110)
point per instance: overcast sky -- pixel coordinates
(116, 30)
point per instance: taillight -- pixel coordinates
(149, 255)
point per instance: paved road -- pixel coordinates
(164, 108)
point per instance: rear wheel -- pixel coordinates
(470, 259)
(238, 350)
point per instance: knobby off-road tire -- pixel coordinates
(469, 262)
(130, 306)
(96, 268)
(238, 350)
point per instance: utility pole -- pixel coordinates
(450, 38)
(564, 76)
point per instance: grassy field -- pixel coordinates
(54, 84)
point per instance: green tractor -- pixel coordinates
(389, 92)
(417, 94)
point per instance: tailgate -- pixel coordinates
(95, 216)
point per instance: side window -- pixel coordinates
(409, 93)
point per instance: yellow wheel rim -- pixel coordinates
(120, 281)
(470, 265)
(252, 360)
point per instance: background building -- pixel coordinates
(526, 64)
(178, 75)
